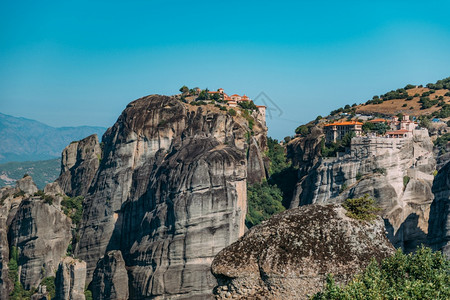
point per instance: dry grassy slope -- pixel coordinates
(393, 107)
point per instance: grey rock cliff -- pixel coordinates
(70, 279)
(170, 193)
(397, 174)
(79, 164)
(288, 256)
(110, 278)
(27, 185)
(6, 194)
(439, 224)
(42, 233)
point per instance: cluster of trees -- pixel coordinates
(444, 112)
(248, 105)
(379, 128)
(330, 149)
(421, 275)
(264, 200)
(201, 94)
(272, 196)
(440, 84)
(441, 142)
(427, 102)
(346, 109)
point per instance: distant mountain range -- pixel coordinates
(23, 139)
(43, 172)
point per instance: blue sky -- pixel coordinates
(68, 63)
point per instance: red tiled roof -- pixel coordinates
(377, 120)
(213, 92)
(344, 123)
(235, 95)
(261, 106)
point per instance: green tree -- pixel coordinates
(362, 208)
(264, 200)
(184, 89)
(420, 275)
(232, 112)
(381, 128)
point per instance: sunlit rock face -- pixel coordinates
(79, 163)
(397, 174)
(169, 194)
(288, 256)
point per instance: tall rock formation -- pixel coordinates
(397, 173)
(41, 232)
(110, 278)
(439, 225)
(289, 256)
(70, 279)
(169, 193)
(79, 164)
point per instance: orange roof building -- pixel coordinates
(337, 130)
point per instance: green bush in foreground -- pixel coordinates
(423, 275)
(362, 208)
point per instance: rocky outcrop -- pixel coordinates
(398, 174)
(169, 194)
(110, 278)
(288, 256)
(70, 279)
(6, 195)
(79, 164)
(27, 185)
(439, 224)
(41, 233)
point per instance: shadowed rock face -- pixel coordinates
(70, 279)
(170, 193)
(399, 179)
(288, 256)
(439, 225)
(79, 164)
(110, 278)
(42, 233)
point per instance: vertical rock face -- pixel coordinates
(439, 225)
(288, 256)
(399, 178)
(169, 194)
(42, 233)
(70, 279)
(79, 164)
(6, 194)
(110, 278)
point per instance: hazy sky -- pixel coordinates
(68, 63)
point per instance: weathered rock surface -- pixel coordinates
(397, 174)
(42, 233)
(288, 256)
(169, 194)
(439, 224)
(70, 279)
(110, 278)
(6, 195)
(27, 185)
(79, 164)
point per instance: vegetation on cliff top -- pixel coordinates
(421, 275)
